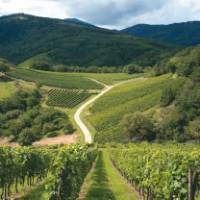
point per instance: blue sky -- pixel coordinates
(114, 14)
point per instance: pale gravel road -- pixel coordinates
(77, 118)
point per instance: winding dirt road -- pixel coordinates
(77, 118)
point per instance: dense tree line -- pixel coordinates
(130, 68)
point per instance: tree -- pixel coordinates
(133, 68)
(193, 129)
(4, 65)
(138, 127)
(26, 137)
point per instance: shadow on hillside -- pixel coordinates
(100, 188)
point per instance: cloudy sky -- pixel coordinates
(109, 13)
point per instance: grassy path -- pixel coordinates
(106, 183)
(37, 193)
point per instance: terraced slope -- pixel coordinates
(139, 95)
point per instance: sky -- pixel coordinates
(113, 14)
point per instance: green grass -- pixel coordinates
(6, 89)
(106, 78)
(37, 193)
(108, 111)
(55, 80)
(106, 183)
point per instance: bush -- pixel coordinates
(26, 137)
(193, 129)
(138, 127)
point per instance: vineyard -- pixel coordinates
(56, 80)
(160, 171)
(64, 167)
(67, 98)
(140, 95)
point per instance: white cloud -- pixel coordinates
(48, 8)
(109, 13)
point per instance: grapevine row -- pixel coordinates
(67, 98)
(160, 171)
(65, 168)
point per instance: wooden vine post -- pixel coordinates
(192, 183)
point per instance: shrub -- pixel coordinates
(138, 127)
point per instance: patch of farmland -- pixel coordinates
(106, 78)
(60, 80)
(67, 98)
(108, 111)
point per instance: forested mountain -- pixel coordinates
(23, 37)
(183, 34)
(79, 22)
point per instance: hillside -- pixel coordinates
(23, 37)
(79, 22)
(186, 62)
(183, 34)
(137, 95)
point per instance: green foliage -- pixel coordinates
(133, 68)
(159, 171)
(67, 98)
(26, 137)
(25, 121)
(5, 66)
(172, 127)
(69, 170)
(65, 167)
(138, 127)
(193, 129)
(183, 34)
(55, 80)
(22, 167)
(168, 96)
(186, 61)
(73, 45)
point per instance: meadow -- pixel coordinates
(139, 95)
(55, 80)
(6, 89)
(106, 78)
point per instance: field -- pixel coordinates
(106, 78)
(67, 98)
(6, 89)
(140, 95)
(55, 80)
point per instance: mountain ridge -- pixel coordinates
(25, 36)
(182, 34)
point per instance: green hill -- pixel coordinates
(183, 34)
(60, 42)
(186, 62)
